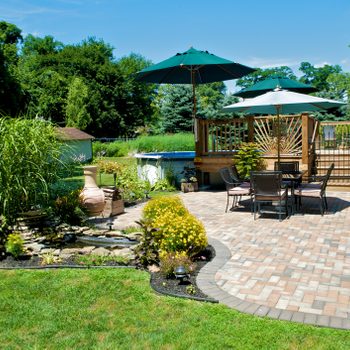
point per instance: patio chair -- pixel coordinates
(234, 189)
(287, 167)
(267, 188)
(316, 189)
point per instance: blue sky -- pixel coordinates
(255, 33)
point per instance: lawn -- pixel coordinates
(117, 309)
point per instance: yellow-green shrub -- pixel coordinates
(169, 228)
(177, 233)
(158, 207)
(14, 244)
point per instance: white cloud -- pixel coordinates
(270, 62)
(321, 64)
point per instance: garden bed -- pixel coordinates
(188, 287)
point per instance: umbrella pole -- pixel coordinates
(278, 136)
(194, 108)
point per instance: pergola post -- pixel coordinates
(306, 129)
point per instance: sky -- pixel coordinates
(255, 33)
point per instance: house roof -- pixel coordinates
(73, 134)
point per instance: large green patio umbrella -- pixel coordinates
(193, 67)
(282, 102)
(272, 83)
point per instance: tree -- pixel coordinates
(33, 45)
(327, 80)
(10, 90)
(317, 77)
(77, 98)
(262, 74)
(135, 104)
(174, 103)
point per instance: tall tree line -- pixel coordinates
(83, 85)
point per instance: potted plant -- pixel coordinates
(189, 182)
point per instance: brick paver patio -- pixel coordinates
(296, 269)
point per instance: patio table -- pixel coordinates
(292, 179)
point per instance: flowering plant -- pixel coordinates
(189, 174)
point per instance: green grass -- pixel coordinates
(154, 143)
(116, 309)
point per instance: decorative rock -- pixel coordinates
(71, 251)
(57, 252)
(87, 250)
(153, 268)
(35, 248)
(101, 251)
(125, 252)
(47, 251)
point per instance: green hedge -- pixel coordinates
(158, 143)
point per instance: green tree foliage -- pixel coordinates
(174, 104)
(327, 79)
(115, 104)
(136, 98)
(10, 91)
(33, 45)
(317, 76)
(77, 99)
(262, 74)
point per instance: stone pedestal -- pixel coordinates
(189, 187)
(113, 204)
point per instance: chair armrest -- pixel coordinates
(315, 178)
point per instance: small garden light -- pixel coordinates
(180, 273)
(110, 224)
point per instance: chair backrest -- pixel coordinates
(226, 177)
(234, 173)
(287, 167)
(326, 178)
(266, 183)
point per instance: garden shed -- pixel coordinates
(79, 144)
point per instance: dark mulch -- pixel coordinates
(174, 287)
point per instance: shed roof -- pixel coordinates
(73, 134)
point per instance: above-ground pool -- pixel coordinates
(156, 166)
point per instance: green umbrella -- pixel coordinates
(272, 83)
(193, 67)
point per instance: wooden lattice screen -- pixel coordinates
(265, 134)
(226, 136)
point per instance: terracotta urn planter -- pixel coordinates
(92, 196)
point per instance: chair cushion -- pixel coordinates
(271, 198)
(239, 191)
(308, 190)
